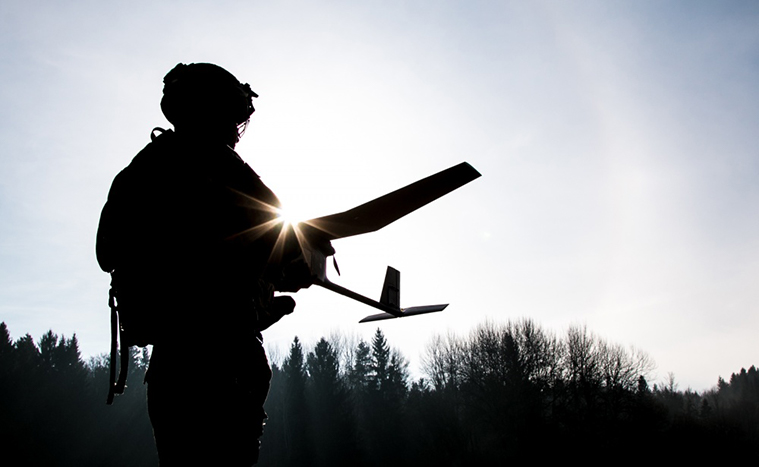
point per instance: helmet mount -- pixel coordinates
(203, 94)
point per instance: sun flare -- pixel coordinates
(288, 218)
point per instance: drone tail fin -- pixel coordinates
(391, 289)
(391, 297)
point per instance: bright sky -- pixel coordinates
(618, 145)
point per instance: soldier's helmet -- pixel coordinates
(201, 93)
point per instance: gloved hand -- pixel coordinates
(278, 307)
(295, 276)
(301, 272)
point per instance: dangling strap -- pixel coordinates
(116, 387)
(114, 343)
(124, 367)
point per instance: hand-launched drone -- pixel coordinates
(370, 217)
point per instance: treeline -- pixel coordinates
(53, 412)
(502, 392)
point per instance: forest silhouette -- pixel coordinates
(502, 392)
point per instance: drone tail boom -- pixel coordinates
(389, 301)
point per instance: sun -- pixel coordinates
(288, 217)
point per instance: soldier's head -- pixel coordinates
(207, 100)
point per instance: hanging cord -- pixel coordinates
(116, 387)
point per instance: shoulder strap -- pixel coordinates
(159, 130)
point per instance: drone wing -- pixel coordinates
(387, 209)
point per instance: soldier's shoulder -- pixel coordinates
(160, 148)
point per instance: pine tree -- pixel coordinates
(296, 418)
(331, 422)
(47, 344)
(386, 399)
(380, 362)
(358, 376)
(6, 344)
(324, 369)
(27, 354)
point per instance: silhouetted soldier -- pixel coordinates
(189, 234)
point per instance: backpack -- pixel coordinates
(148, 280)
(136, 315)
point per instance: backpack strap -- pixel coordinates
(116, 387)
(154, 136)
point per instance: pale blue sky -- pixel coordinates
(617, 140)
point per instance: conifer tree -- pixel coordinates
(332, 426)
(359, 374)
(324, 369)
(380, 361)
(296, 418)
(386, 401)
(6, 344)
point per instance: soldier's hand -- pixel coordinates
(278, 307)
(295, 276)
